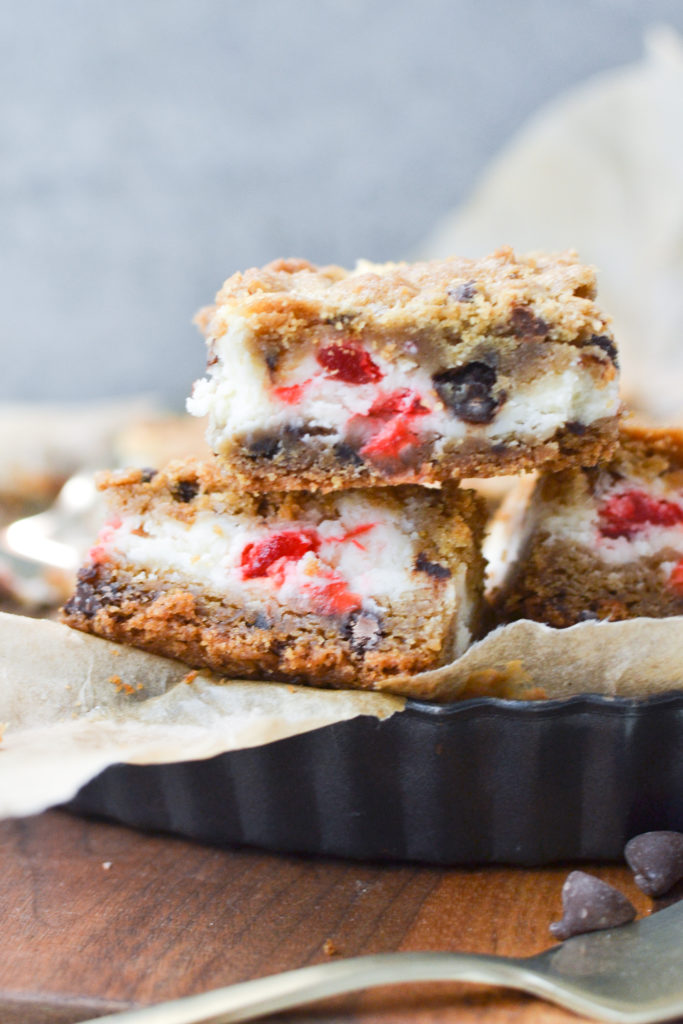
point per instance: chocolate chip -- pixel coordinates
(574, 427)
(590, 905)
(345, 453)
(272, 358)
(185, 490)
(464, 292)
(588, 616)
(147, 474)
(439, 572)
(525, 324)
(656, 859)
(91, 593)
(363, 631)
(261, 621)
(466, 390)
(265, 447)
(606, 344)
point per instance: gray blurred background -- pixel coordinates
(152, 147)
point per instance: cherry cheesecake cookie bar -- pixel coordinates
(407, 373)
(604, 543)
(347, 589)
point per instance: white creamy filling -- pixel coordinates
(581, 527)
(377, 564)
(239, 401)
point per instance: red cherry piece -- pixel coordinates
(624, 515)
(392, 439)
(349, 363)
(676, 577)
(99, 553)
(331, 595)
(291, 395)
(400, 401)
(258, 557)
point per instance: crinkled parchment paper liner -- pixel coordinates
(72, 704)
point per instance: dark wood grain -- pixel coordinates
(169, 918)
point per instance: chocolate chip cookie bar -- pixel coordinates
(325, 378)
(607, 542)
(348, 589)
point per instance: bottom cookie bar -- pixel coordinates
(346, 589)
(604, 543)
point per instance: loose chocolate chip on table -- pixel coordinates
(435, 569)
(656, 859)
(589, 905)
(185, 490)
(466, 390)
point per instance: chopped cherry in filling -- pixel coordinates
(329, 593)
(257, 558)
(676, 577)
(624, 515)
(293, 394)
(395, 414)
(349, 363)
(98, 553)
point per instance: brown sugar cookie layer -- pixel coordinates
(344, 590)
(407, 373)
(606, 542)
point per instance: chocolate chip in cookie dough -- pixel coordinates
(347, 454)
(464, 292)
(435, 569)
(607, 346)
(656, 859)
(526, 324)
(91, 593)
(589, 905)
(147, 474)
(467, 391)
(185, 490)
(264, 447)
(363, 631)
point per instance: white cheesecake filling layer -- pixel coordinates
(239, 401)
(364, 554)
(581, 526)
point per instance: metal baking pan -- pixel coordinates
(477, 782)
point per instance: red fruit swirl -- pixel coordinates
(349, 363)
(99, 553)
(624, 515)
(676, 578)
(398, 409)
(330, 594)
(258, 557)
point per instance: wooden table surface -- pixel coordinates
(96, 917)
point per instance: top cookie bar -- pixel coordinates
(407, 373)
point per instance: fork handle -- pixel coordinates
(250, 999)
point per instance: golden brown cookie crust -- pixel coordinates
(532, 295)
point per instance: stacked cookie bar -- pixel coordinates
(328, 541)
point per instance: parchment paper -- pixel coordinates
(72, 704)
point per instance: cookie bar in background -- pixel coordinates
(604, 543)
(345, 589)
(399, 373)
